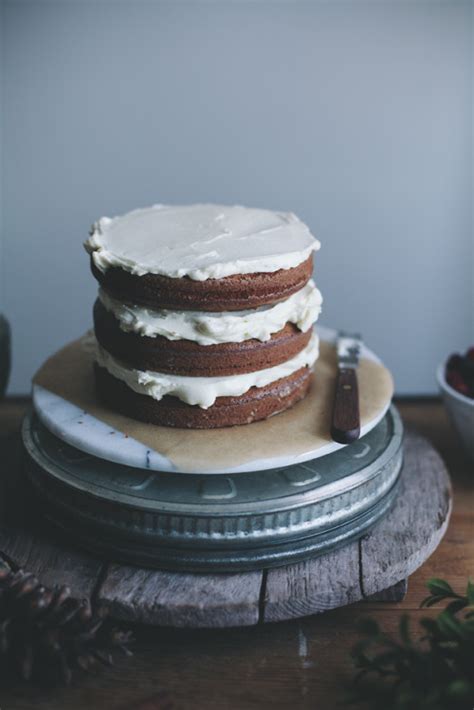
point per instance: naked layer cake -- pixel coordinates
(204, 315)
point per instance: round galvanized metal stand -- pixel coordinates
(215, 523)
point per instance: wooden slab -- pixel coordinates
(313, 586)
(390, 552)
(179, 599)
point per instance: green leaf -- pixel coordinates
(470, 592)
(449, 625)
(439, 587)
(424, 672)
(456, 605)
(430, 601)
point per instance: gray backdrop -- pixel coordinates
(355, 115)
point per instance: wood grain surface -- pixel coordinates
(179, 599)
(302, 663)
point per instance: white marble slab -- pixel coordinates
(83, 431)
(86, 433)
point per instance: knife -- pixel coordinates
(345, 425)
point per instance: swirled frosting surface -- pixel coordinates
(200, 241)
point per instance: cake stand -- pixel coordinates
(212, 523)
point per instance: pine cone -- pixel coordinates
(45, 633)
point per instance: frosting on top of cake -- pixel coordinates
(206, 328)
(200, 241)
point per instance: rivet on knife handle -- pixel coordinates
(345, 426)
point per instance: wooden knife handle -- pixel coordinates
(345, 426)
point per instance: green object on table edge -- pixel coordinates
(433, 673)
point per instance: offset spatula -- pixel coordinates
(345, 425)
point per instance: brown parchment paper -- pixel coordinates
(69, 374)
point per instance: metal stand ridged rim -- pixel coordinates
(215, 536)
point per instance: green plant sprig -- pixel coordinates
(434, 673)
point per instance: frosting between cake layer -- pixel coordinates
(208, 328)
(203, 391)
(200, 241)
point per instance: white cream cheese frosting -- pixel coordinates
(205, 328)
(203, 391)
(200, 241)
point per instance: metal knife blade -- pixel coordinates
(348, 349)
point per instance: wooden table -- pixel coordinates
(297, 664)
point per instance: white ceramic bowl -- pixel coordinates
(460, 410)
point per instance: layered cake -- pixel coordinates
(204, 314)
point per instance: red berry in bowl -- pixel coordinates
(459, 372)
(455, 363)
(456, 381)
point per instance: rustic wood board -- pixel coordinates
(180, 599)
(382, 559)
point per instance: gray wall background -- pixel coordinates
(355, 115)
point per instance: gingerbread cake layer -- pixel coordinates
(257, 403)
(185, 357)
(230, 293)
